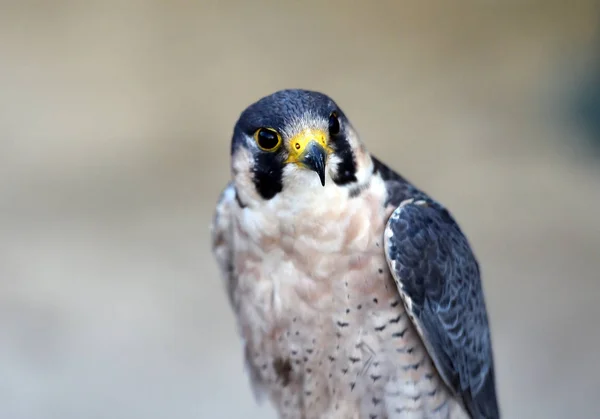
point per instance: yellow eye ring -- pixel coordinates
(267, 139)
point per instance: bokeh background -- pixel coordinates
(115, 121)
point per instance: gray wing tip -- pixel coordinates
(484, 403)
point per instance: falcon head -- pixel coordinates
(296, 144)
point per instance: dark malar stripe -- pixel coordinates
(268, 173)
(346, 170)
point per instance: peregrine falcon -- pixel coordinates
(356, 294)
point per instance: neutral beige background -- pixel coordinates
(115, 119)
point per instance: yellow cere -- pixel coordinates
(298, 143)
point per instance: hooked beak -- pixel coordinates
(309, 149)
(314, 159)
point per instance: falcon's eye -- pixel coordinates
(334, 124)
(267, 139)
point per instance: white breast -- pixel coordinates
(315, 295)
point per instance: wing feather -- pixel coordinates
(222, 240)
(438, 278)
(223, 250)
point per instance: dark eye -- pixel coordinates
(334, 124)
(267, 139)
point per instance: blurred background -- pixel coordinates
(115, 122)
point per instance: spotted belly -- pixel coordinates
(360, 357)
